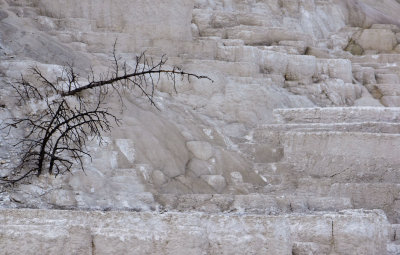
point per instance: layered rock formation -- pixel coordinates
(300, 123)
(77, 232)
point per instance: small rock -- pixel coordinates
(158, 178)
(216, 181)
(377, 39)
(201, 150)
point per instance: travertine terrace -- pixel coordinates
(293, 149)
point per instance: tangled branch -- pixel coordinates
(58, 130)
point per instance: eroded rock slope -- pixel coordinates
(300, 123)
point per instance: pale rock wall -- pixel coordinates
(212, 147)
(262, 65)
(66, 232)
(147, 20)
(301, 19)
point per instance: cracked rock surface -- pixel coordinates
(293, 149)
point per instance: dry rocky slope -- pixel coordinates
(294, 149)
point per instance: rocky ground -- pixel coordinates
(293, 149)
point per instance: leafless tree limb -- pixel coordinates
(56, 134)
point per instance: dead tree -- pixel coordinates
(57, 134)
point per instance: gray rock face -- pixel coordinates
(32, 232)
(300, 123)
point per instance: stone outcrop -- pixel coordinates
(296, 137)
(74, 232)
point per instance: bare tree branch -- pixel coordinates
(56, 135)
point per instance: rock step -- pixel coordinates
(241, 69)
(364, 127)
(387, 78)
(251, 80)
(381, 90)
(293, 67)
(377, 59)
(234, 50)
(252, 8)
(297, 48)
(373, 195)
(388, 94)
(373, 73)
(380, 68)
(253, 54)
(71, 25)
(252, 203)
(259, 35)
(343, 154)
(93, 232)
(202, 48)
(240, 53)
(334, 155)
(337, 115)
(285, 61)
(228, 18)
(102, 42)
